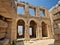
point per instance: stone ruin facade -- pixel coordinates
(43, 27)
(55, 11)
(7, 18)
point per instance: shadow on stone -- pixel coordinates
(50, 44)
(20, 42)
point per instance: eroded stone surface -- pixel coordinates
(56, 20)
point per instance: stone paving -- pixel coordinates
(37, 42)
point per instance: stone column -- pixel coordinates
(26, 9)
(27, 36)
(51, 32)
(37, 12)
(39, 32)
(48, 32)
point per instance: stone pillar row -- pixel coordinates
(38, 32)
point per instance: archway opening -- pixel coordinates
(44, 30)
(20, 29)
(32, 29)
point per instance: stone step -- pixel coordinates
(37, 42)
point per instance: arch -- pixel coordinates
(32, 20)
(20, 28)
(46, 22)
(32, 30)
(44, 29)
(18, 18)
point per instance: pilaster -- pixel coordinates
(49, 31)
(39, 32)
(27, 36)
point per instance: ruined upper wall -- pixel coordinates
(55, 11)
(36, 9)
(55, 8)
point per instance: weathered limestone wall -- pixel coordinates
(55, 11)
(57, 33)
(3, 33)
(8, 12)
(8, 15)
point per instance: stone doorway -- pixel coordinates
(20, 29)
(44, 30)
(32, 29)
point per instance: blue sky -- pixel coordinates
(45, 3)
